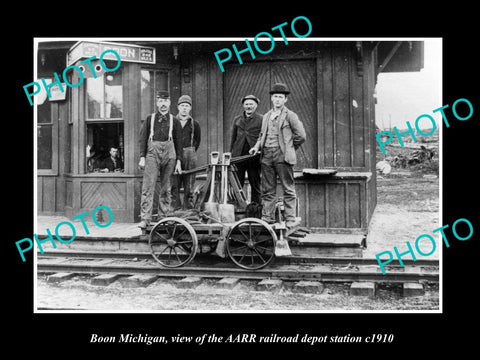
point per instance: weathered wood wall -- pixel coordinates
(328, 92)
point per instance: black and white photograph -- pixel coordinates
(244, 175)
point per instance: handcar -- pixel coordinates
(225, 226)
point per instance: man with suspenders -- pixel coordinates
(159, 152)
(189, 140)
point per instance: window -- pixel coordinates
(152, 81)
(44, 131)
(104, 97)
(105, 126)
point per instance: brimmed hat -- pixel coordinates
(251, 97)
(279, 88)
(185, 99)
(163, 94)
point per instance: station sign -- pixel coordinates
(127, 52)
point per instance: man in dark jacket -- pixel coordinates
(245, 131)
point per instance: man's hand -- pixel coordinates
(253, 151)
(178, 167)
(141, 163)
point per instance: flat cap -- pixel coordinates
(251, 97)
(185, 99)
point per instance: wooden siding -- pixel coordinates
(342, 119)
(46, 194)
(90, 191)
(111, 194)
(257, 79)
(333, 204)
(207, 106)
(370, 67)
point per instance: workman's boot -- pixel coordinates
(143, 224)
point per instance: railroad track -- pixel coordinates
(299, 268)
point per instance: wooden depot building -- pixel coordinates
(332, 86)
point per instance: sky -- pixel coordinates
(402, 97)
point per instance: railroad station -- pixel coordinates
(332, 86)
(89, 157)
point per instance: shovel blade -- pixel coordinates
(282, 248)
(220, 249)
(227, 213)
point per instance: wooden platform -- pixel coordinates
(128, 237)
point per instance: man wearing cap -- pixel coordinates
(159, 152)
(281, 134)
(245, 130)
(189, 141)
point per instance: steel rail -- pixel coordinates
(292, 273)
(207, 257)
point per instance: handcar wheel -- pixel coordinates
(251, 243)
(173, 242)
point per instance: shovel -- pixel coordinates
(210, 207)
(226, 211)
(281, 246)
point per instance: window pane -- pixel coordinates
(105, 96)
(44, 147)
(161, 80)
(152, 81)
(95, 98)
(44, 134)
(101, 137)
(146, 95)
(113, 95)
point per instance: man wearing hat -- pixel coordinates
(281, 134)
(245, 130)
(189, 141)
(159, 153)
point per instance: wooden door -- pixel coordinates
(257, 78)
